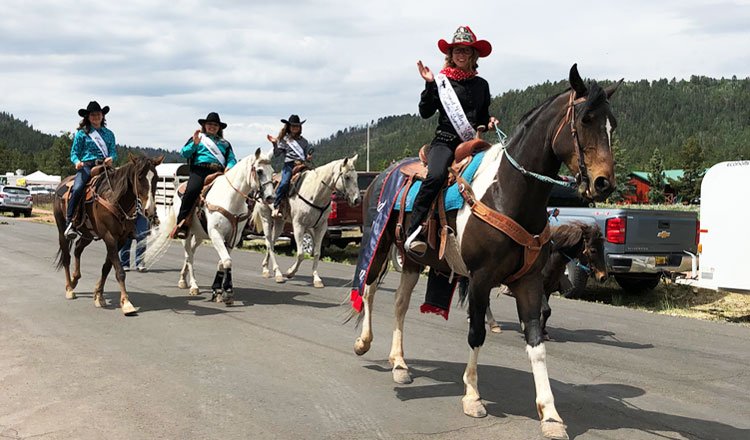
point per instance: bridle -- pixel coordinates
(582, 178)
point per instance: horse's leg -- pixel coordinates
(409, 277)
(217, 238)
(278, 228)
(299, 232)
(78, 251)
(493, 325)
(479, 299)
(65, 262)
(378, 265)
(546, 313)
(112, 252)
(529, 291)
(267, 237)
(182, 283)
(216, 285)
(317, 242)
(99, 300)
(191, 244)
(228, 296)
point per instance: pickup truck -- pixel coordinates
(639, 244)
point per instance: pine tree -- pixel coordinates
(622, 186)
(689, 186)
(656, 178)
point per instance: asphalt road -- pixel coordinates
(279, 364)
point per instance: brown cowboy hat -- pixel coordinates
(293, 120)
(93, 107)
(213, 117)
(465, 37)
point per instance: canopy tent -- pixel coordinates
(41, 178)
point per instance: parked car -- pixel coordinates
(16, 199)
(344, 221)
(40, 190)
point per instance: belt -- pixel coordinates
(210, 166)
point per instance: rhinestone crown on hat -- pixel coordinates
(463, 35)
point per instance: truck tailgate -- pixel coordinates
(660, 231)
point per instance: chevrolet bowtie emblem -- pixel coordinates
(664, 234)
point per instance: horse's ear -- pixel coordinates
(610, 90)
(158, 160)
(576, 83)
(346, 160)
(354, 159)
(257, 154)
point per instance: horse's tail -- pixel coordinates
(158, 240)
(63, 258)
(463, 290)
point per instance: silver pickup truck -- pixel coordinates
(639, 244)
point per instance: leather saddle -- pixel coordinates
(207, 184)
(462, 157)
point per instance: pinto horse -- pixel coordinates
(574, 241)
(573, 127)
(226, 212)
(308, 210)
(111, 217)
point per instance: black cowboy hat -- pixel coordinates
(213, 117)
(293, 120)
(93, 107)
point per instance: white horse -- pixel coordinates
(307, 210)
(226, 213)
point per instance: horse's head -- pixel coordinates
(345, 181)
(592, 254)
(261, 176)
(583, 140)
(144, 182)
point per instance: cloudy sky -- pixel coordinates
(161, 65)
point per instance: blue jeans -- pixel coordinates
(283, 189)
(79, 186)
(141, 232)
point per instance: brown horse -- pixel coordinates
(111, 217)
(577, 242)
(573, 127)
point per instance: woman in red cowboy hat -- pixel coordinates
(463, 99)
(295, 148)
(207, 152)
(93, 142)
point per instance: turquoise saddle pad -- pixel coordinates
(453, 199)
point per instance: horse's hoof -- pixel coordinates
(194, 291)
(128, 309)
(361, 347)
(553, 429)
(216, 296)
(475, 408)
(289, 275)
(266, 273)
(69, 294)
(401, 375)
(495, 328)
(182, 284)
(280, 278)
(100, 303)
(318, 283)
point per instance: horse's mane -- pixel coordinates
(570, 235)
(117, 182)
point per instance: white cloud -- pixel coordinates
(162, 65)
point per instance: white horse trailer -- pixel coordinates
(171, 175)
(724, 241)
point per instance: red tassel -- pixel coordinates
(356, 300)
(429, 308)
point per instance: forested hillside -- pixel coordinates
(23, 147)
(660, 114)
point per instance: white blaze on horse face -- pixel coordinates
(151, 203)
(609, 132)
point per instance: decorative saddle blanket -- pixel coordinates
(452, 199)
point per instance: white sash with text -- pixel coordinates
(453, 108)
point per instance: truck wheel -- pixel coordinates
(16, 213)
(638, 283)
(578, 279)
(396, 261)
(27, 213)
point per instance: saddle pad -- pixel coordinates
(452, 199)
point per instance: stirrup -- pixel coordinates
(178, 232)
(70, 232)
(414, 244)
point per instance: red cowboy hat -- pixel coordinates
(465, 37)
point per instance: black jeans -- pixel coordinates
(198, 175)
(439, 159)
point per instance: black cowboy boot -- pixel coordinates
(414, 242)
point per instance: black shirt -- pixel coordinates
(474, 95)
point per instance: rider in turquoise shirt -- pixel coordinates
(85, 152)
